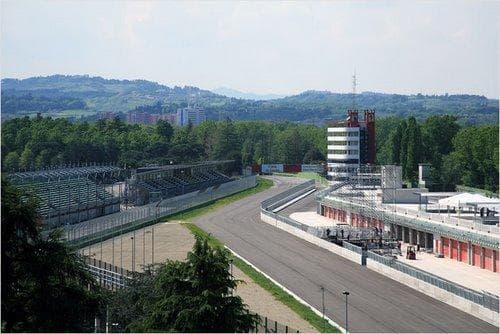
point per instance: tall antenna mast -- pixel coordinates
(354, 83)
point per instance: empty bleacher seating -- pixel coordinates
(182, 183)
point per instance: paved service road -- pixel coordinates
(376, 303)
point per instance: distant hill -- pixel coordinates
(83, 95)
(225, 91)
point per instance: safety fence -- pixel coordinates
(352, 247)
(95, 230)
(486, 300)
(266, 325)
(284, 197)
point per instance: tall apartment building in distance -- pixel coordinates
(351, 143)
(195, 114)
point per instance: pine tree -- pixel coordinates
(193, 296)
(414, 149)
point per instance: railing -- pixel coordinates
(352, 247)
(118, 223)
(486, 300)
(106, 274)
(470, 224)
(387, 214)
(281, 198)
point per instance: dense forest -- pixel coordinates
(313, 107)
(459, 155)
(14, 104)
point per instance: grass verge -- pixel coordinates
(262, 184)
(308, 176)
(302, 310)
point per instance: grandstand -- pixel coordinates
(73, 194)
(69, 194)
(151, 184)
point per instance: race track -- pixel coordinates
(376, 303)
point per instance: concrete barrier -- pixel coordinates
(336, 249)
(433, 291)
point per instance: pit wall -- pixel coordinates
(435, 292)
(345, 253)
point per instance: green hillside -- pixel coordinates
(55, 95)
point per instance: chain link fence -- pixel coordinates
(100, 228)
(267, 325)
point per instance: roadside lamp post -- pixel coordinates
(133, 253)
(346, 293)
(323, 306)
(144, 248)
(231, 272)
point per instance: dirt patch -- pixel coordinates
(173, 241)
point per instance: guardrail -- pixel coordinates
(486, 300)
(352, 247)
(287, 195)
(100, 228)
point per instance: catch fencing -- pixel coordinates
(486, 300)
(104, 227)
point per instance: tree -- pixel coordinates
(396, 139)
(313, 156)
(164, 130)
(191, 296)
(26, 159)
(414, 149)
(404, 147)
(45, 284)
(11, 161)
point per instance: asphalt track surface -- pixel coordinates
(376, 303)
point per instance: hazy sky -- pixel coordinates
(263, 47)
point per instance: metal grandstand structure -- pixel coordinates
(72, 193)
(151, 184)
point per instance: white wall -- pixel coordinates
(341, 251)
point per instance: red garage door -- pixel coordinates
(446, 247)
(488, 259)
(454, 249)
(464, 257)
(476, 255)
(497, 260)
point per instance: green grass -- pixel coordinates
(262, 184)
(313, 176)
(308, 176)
(302, 310)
